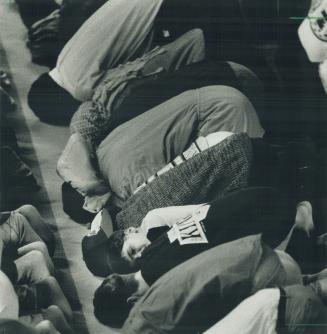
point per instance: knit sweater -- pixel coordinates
(213, 173)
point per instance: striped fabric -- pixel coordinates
(215, 172)
(196, 147)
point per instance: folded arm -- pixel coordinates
(169, 216)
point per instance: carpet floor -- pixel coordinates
(40, 145)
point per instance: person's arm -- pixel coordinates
(168, 216)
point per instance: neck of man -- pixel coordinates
(136, 284)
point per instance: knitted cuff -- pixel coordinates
(91, 122)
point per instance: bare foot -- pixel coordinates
(45, 327)
(38, 246)
(320, 287)
(318, 276)
(303, 218)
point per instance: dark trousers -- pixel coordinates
(154, 92)
(251, 211)
(289, 167)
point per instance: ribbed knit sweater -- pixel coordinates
(213, 173)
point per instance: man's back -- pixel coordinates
(241, 213)
(210, 284)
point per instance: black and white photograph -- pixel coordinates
(163, 166)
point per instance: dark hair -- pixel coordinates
(110, 301)
(114, 247)
(115, 242)
(48, 100)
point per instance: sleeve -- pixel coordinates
(168, 216)
(8, 298)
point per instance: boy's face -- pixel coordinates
(134, 244)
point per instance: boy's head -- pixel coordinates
(116, 295)
(111, 301)
(125, 248)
